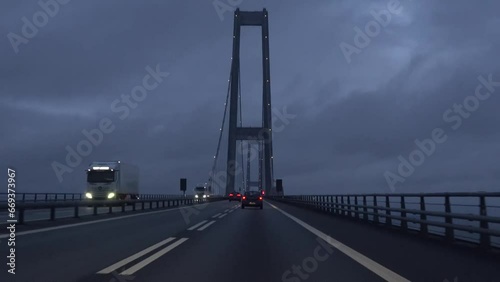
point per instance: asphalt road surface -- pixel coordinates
(220, 242)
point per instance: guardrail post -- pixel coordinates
(52, 213)
(46, 197)
(77, 210)
(21, 215)
(356, 214)
(35, 197)
(133, 206)
(349, 208)
(448, 218)
(342, 211)
(484, 239)
(142, 205)
(330, 203)
(375, 210)
(123, 207)
(388, 220)
(110, 209)
(404, 223)
(65, 197)
(95, 209)
(423, 216)
(23, 196)
(72, 197)
(336, 205)
(365, 209)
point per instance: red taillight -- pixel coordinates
(260, 198)
(244, 197)
(230, 195)
(239, 195)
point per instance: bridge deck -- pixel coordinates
(263, 246)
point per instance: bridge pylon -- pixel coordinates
(261, 134)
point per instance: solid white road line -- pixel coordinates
(231, 211)
(206, 225)
(123, 262)
(153, 257)
(373, 266)
(223, 215)
(226, 210)
(216, 215)
(197, 225)
(88, 222)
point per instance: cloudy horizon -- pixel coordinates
(362, 102)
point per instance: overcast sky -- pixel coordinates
(354, 115)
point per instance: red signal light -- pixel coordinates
(244, 197)
(260, 198)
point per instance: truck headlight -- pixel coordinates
(204, 196)
(88, 195)
(196, 196)
(111, 195)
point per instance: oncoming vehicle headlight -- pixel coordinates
(196, 196)
(111, 195)
(204, 196)
(88, 195)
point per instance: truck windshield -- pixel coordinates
(100, 176)
(199, 189)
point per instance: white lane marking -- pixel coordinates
(88, 222)
(123, 262)
(153, 257)
(375, 267)
(231, 210)
(197, 225)
(216, 215)
(226, 210)
(223, 215)
(206, 225)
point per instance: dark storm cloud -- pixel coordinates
(352, 120)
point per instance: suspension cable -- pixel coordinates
(221, 129)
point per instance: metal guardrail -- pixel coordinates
(464, 213)
(51, 197)
(22, 207)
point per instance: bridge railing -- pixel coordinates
(95, 205)
(52, 197)
(472, 217)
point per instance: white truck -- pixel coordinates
(112, 180)
(201, 191)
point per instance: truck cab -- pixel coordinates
(201, 191)
(112, 180)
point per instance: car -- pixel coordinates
(252, 198)
(235, 197)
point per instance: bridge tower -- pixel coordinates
(262, 134)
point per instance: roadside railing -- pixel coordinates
(51, 197)
(471, 217)
(21, 208)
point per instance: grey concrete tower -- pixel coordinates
(261, 134)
